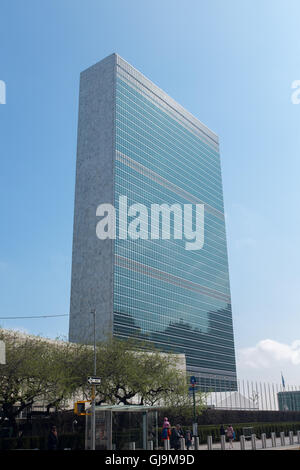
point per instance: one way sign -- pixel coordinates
(94, 380)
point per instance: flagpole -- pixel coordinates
(284, 396)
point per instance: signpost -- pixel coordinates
(195, 425)
(193, 380)
(93, 312)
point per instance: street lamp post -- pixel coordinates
(195, 425)
(93, 312)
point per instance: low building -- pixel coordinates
(289, 401)
(230, 401)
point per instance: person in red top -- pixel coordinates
(166, 423)
(166, 432)
(230, 435)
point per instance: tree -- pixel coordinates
(49, 372)
(68, 366)
(131, 374)
(38, 370)
(182, 404)
(24, 376)
(135, 372)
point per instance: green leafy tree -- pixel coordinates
(68, 366)
(182, 405)
(38, 370)
(131, 374)
(25, 375)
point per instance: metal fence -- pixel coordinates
(279, 440)
(251, 395)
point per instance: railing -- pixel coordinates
(244, 443)
(257, 444)
(249, 395)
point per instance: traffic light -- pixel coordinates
(79, 408)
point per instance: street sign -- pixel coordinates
(193, 380)
(94, 380)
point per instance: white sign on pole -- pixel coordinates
(94, 380)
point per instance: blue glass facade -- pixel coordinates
(177, 299)
(289, 401)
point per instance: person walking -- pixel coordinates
(166, 423)
(222, 431)
(230, 436)
(20, 440)
(180, 433)
(166, 432)
(188, 439)
(173, 438)
(176, 436)
(53, 439)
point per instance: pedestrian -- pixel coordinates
(180, 432)
(166, 423)
(20, 440)
(188, 439)
(53, 439)
(230, 435)
(222, 430)
(174, 438)
(176, 435)
(166, 433)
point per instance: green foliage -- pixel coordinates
(129, 372)
(38, 370)
(50, 372)
(182, 404)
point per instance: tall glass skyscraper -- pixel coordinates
(135, 141)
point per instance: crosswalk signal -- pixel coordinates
(79, 408)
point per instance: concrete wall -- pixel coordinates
(92, 259)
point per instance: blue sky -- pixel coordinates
(232, 65)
